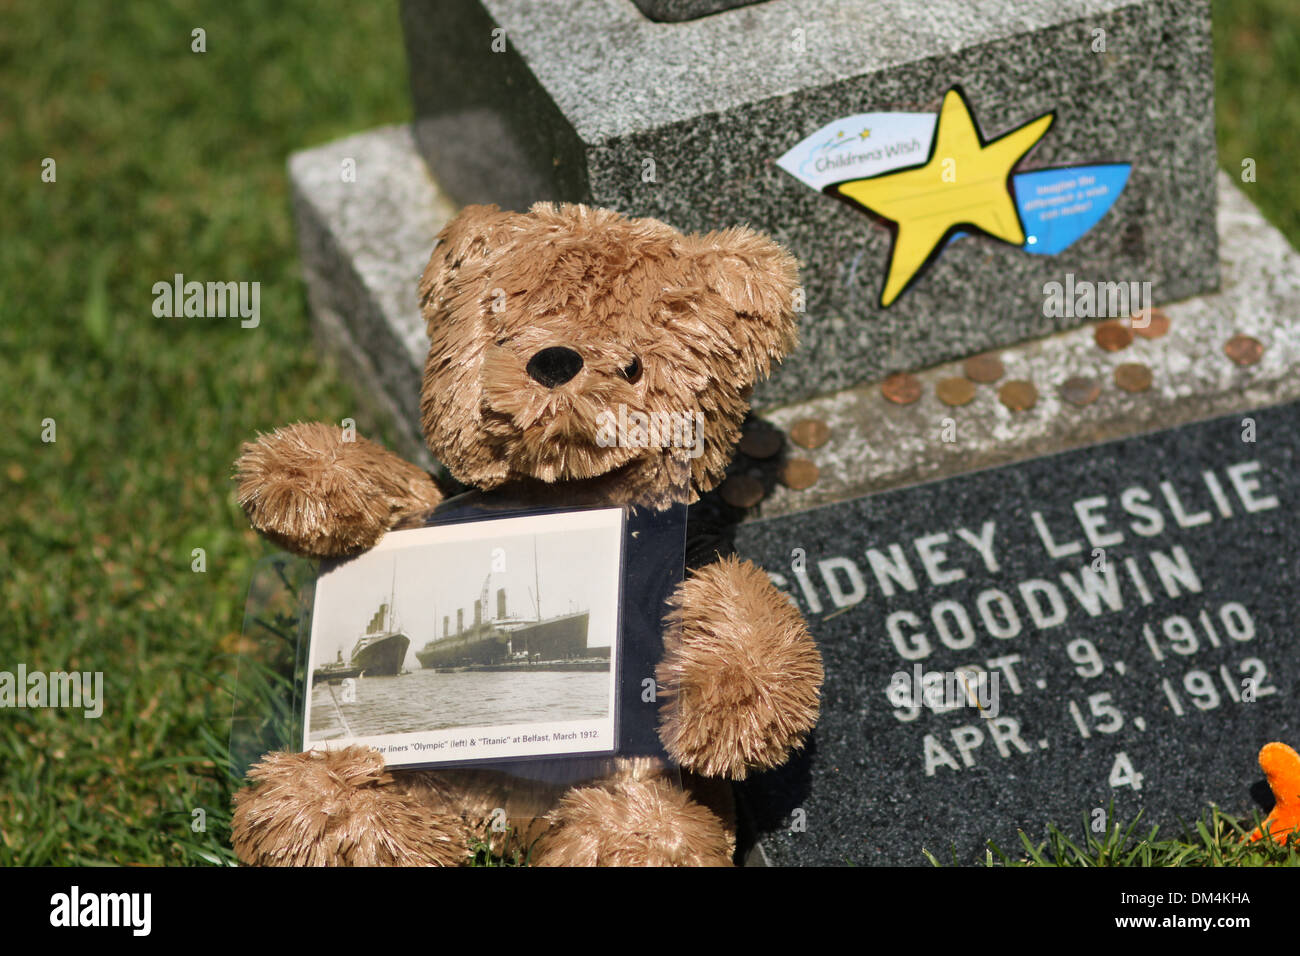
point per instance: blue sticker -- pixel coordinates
(1057, 206)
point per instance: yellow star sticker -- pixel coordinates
(965, 182)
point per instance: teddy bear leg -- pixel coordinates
(320, 493)
(341, 808)
(740, 673)
(633, 823)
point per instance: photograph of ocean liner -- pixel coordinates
(498, 639)
(478, 640)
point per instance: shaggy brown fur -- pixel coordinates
(315, 494)
(341, 808)
(739, 674)
(636, 823)
(646, 318)
(703, 316)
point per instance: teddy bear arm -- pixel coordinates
(319, 492)
(740, 674)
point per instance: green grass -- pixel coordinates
(167, 161)
(1216, 839)
(1257, 102)
(173, 161)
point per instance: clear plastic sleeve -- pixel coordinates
(446, 679)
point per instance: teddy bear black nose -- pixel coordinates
(554, 366)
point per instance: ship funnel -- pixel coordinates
(501, 603)
(446, 625)
(478, 612)
(460, 619)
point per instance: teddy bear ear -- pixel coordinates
(753, 283)
(471, 235)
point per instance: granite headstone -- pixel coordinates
(754, 114)
(1026, 645)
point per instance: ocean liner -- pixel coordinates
(379, 652)
(506, 640)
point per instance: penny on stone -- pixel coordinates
(1152, 326)
(799, 473)
(1244, 349)
(810, 433)
(1112, 336)
(760, 443)
(1080, 391)
(955, 391)
(1019, 396)
(741, 491)
(901, 388)
(984, 369)
(1133, 377)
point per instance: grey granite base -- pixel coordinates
(365, 243)
(875, 445)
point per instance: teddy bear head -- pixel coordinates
(574, 344)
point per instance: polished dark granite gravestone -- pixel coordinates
(1118, 607)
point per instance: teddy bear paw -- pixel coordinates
(340, 808)
(633, 823)
(740, 674)
(317, 491)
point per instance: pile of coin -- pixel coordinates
(904, 388)
(763, 441)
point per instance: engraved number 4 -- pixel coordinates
(1122, 773)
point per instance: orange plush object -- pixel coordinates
(538, 323)
(1281, 765)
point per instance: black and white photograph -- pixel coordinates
(492, 639)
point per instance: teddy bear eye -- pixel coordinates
(632, 371)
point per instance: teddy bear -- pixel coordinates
(538, 322)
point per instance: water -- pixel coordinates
(427, 700)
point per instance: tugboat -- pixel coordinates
(335, 671)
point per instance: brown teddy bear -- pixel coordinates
(537, 323)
